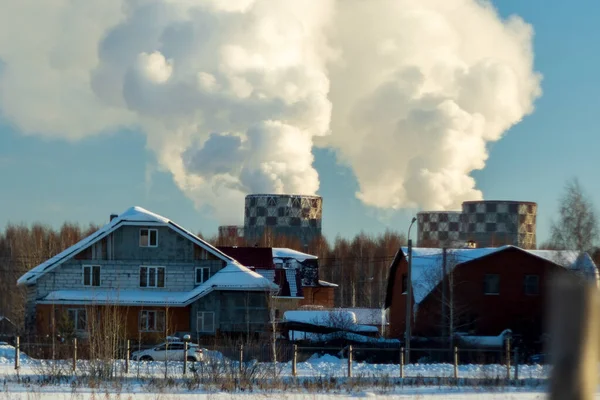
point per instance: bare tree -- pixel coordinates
(577, 224)
(442, 285)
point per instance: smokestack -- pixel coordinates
(113, 216)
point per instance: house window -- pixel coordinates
(202, 274)
(91, 275)
(205, 321)
(78, 317)
(148, 237)
(404, 283)
(152, 321)
(491, 284)
(532, 285)
(152, 277)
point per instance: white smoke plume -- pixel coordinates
(233, 95)
(420, 91)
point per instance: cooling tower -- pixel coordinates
(496, 223)
(296, 216)
(438, 228)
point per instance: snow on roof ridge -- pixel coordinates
(137, 211)
(132, 214)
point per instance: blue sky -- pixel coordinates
(52, 181)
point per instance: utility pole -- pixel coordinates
(451, 305)
(408, 303)
(444, 333)
(408, 296)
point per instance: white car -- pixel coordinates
(174, 352)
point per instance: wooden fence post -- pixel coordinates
(241, 357)
(350, 361)
(127, 355)
(517, 363)
(574, 331)
(185, 356)
(17, 353)
(508, 358)
(455, 362)
(74, 354)
(295, 360)
(402, 362)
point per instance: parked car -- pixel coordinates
(174, 352)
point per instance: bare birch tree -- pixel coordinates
(577, 225)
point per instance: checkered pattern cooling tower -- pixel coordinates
(497, 223)
(438, 228)
(290, 215)
(231, 231)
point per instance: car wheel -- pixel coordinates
(146, 358)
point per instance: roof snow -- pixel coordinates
(327, 284)
(289, 253)
(233, 277)
(426, 270)
(132, 216)
(339, 318)
(369, 316)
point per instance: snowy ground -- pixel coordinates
(379, 381)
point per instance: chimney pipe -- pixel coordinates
(113, 216)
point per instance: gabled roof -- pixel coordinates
(426, 271)
(132, 216)
(233, 277)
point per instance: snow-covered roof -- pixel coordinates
(369, 316)
(132, 216)
(426, 268)
(339, 318)
(233, 277)
(289, 253)
(326, 337)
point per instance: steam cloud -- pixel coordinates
(233, 95)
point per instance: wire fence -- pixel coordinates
(255, 359)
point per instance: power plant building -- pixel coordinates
(296, 216)
(485, 223)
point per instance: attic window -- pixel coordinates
(202, 274)
(148, 237)
(91, 275)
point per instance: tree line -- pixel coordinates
(359, 265)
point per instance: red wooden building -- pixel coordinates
(486, 291)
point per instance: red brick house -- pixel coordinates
(488, 289)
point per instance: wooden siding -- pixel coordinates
(318, 296)
(48, 320)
